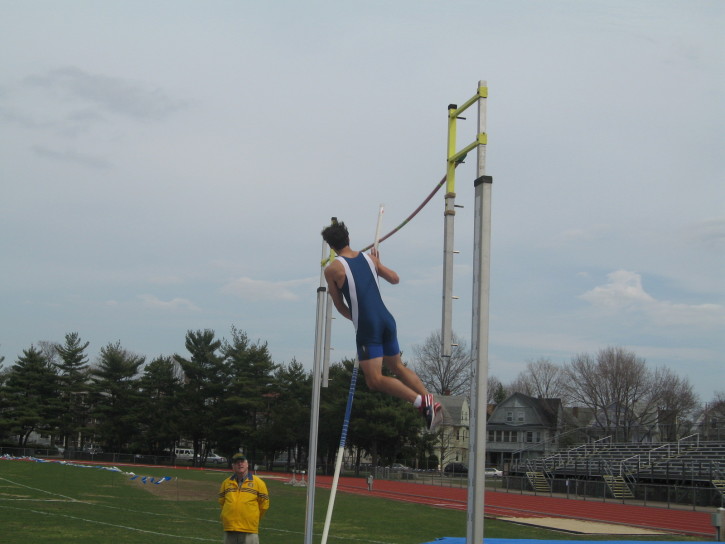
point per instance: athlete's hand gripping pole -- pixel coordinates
(378, 228)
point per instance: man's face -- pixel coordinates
(240, 467)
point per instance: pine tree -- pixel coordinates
(74, 387)
(249, 377)
(114, 395)
(31, 395)
(203, 389)
(159, 415)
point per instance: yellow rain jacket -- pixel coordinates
(243, 503)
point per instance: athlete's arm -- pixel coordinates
(335, 276)
(389, 275)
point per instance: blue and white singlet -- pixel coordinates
(374, 325)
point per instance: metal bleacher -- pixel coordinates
(621, 465)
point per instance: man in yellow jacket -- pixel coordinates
(244, 500)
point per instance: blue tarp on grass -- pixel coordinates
(462, 540)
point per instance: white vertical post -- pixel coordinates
(448, 249)
(449, 214)
(479, 335)
(328, 338)
(315, 411)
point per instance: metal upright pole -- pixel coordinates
(449, 215)
(315, 411)
(479, 332)
(327, 348)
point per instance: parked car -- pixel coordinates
(217, 459)
(398, 467)
(456, 468)
(492, 472)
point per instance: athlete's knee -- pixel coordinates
(374, 380)
(394, 364)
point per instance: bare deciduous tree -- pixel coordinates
(443, 375)
(611, 384)
(495, 390)
(542, 379)
(711, 424)
(675, 401)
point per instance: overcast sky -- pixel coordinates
(168, 165)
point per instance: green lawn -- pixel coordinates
(53, 503)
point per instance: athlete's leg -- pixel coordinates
(395, 364)
(376, 381)
(401, 388)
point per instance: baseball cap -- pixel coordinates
(238, 457)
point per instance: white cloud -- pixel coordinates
(250, 289)
(710, 233)
(680, 354)
(108, 93)
(708, 316)
(151, 301)
(625, 293)
(583, 234)
(71, 156)
(548, 343)
(165, 280)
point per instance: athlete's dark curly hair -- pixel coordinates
(336, 235)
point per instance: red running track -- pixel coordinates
(498, 504)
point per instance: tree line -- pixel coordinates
(227, 395)
(223, 395)
(620, 393)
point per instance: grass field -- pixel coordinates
(54, 503)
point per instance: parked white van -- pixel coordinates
(184, 454)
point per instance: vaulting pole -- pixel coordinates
(340, 453)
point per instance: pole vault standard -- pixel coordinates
(481, 267)
(454, 159)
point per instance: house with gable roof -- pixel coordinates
(522, 427)
(454, 431)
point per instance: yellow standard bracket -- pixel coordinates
(454, 158)
(329, 259)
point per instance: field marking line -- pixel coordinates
(71, 499)
(126, 527)
(90, 503)
(40, 490)
(35, 500)
(113, 525)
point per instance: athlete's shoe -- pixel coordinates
(431, 411)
